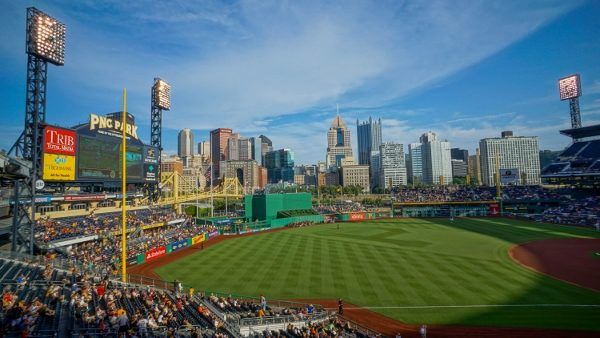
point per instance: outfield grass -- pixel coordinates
(397, 263)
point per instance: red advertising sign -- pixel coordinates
(59, 141)
(494, 210)
(93, 197)
(356, 216)
(155, 253)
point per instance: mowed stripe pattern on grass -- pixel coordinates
(408, 262)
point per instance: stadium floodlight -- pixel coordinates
(45, 37)
(162, 94)
(569, 87)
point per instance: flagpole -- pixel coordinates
(124, 190)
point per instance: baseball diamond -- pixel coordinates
(434, 271)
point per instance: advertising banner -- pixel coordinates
(42, 199)
(155, 253)
(509, 176)
(132, 260)
(356, 216)
(150, 155)
(494, 210)
(197, 239)
(179, 245)
(58, 168)
(150, 172)
(213, 234)
(59, 141)
(140, 258)
(169, 248)
(92, 197)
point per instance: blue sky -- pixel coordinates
(464, 69)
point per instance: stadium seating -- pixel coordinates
(580, 158)
(44, 301)
(52, 230)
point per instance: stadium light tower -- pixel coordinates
(161, 100)
(45, 43)
(569, 88)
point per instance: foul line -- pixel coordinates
(465, 306)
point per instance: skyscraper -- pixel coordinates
(185, 144)
(437, 164)
(369, 139)
(240, 148)
(392, 166)
(460, 154)
(475, 168)
(415, 170)
(256, 149)
(460, 162)
(375, 169)
(219, 148)
(265, 146)
(280, 166)
(233, 147)
(204, 149)
(338, 143)
(510, 152)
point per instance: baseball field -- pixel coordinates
(414, 270)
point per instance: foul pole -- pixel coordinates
(124, 189)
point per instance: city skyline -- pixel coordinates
(476, 93)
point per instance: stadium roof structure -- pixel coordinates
(583, 132)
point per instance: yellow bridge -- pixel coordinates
(176, 191)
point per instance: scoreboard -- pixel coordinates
(88, 153)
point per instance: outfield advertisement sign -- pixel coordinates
(494, 210)
(179, 245)
(356, 216)
(155, 253)
(132, 260)
(175, 246)
(197, 239)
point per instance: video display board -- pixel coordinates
(100, 159)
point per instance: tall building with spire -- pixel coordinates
(338, 143)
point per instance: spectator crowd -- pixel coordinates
(53, 229)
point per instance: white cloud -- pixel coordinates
(242, 65)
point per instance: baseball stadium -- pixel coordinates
(101, 239)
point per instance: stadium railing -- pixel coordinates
(57, 262)
(170, 285)
(161, 331)
(259, 321)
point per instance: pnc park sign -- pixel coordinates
(112, 126)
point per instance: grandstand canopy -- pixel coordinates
(583, 132)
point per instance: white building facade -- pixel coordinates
(392, 168)
(436, 159)
(510, 152)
